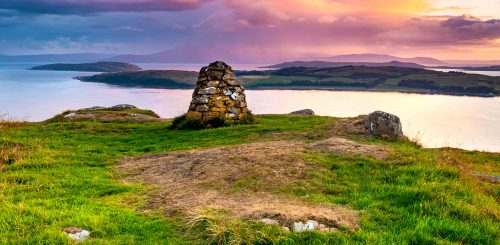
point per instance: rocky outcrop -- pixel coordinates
(381, 123)
(122, 112)
(305, 112)
(218, 94)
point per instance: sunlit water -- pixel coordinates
(437, 120)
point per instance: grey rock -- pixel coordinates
(213, 84)
(72, 114)
(77, 234)
(268, 221)
(235, 96)
(305, 112)
(202, 108)
(233, 110)
(299, 227)
(227, 92)
(381, 123)
(202, 100)
(123, 106)
(209, 90)
(311, 225)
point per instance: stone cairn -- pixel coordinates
(218, 94)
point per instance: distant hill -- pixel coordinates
(95, 67)
(70, 58)
(472, 68)
(381, 58)
(323, 64)
(147, 79)
(358, 78)
(363, 78)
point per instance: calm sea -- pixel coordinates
(437, 120)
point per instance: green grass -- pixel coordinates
(57, 175)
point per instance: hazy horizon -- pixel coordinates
(256, 31)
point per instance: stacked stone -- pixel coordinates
(218, 94)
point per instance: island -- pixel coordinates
(147, 79)
(350, 78)
(323, 64)
(90, 67)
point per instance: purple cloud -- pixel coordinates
(96, 6)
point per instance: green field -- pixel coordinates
(56, 175)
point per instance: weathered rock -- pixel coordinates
(381, 123)
(218, 94)
(305, 112)
(77, 234)
(299, 227)
(123, 106)
(268, 221)
(311, 225)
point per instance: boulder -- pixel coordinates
(304, 112)
(384, 124)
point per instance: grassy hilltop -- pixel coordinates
(92, 174)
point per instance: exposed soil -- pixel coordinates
(242, 178)
(349, 147)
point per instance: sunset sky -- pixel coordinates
(260, 30)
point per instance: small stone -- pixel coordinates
(268, 221)
(202, 100)
(227, 92)
(286, 229)
(209, 90)
(235, 96)
(231, 116)
(213, 84)
(202, 108)
(305, 112)
(72, 114)
(311, 225)
(299, 227)
(77, 234)
(233, 110)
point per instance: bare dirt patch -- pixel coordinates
(240, 178)
(349, 147)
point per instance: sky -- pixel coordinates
(257, 30)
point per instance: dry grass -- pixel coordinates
(241, 178)
(349, 147)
